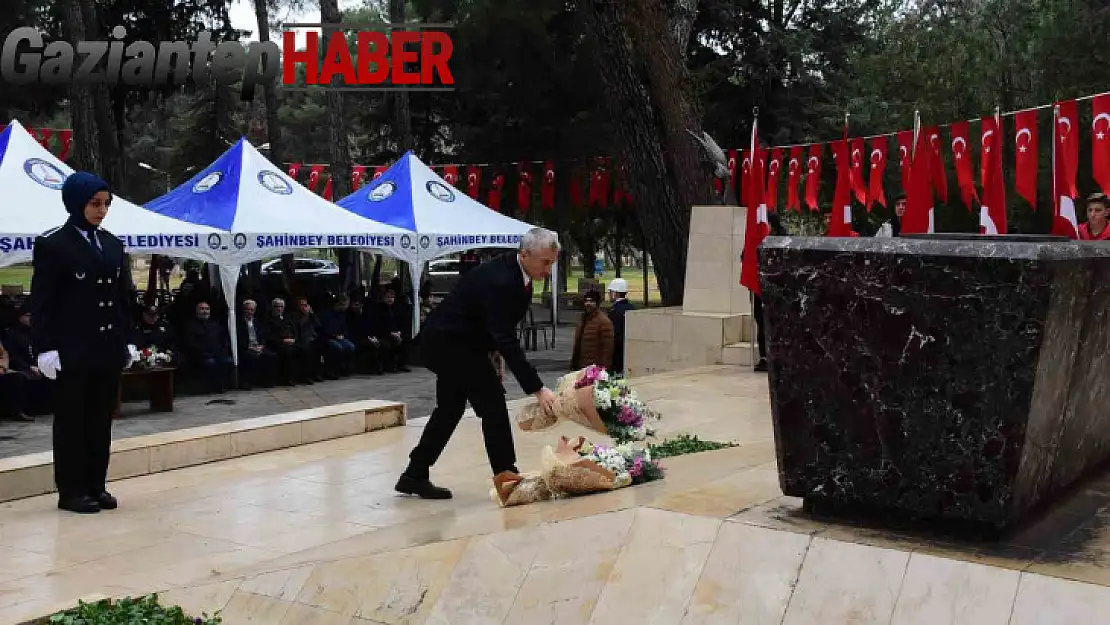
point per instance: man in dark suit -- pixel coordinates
(618, 295)
(473, 328)
(83, 335)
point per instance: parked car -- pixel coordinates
(443, 273)
(303, 267)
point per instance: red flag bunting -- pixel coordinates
(378, 171)
(813, 176)
(294, 170)
(451, 175)
(936, 167)
(840, 218)
(473, 181)
(905, 162)
(756, 227)
(358, 173)
(1025, 156)
(547, 186)
(66, 137)
(877, 168)
(856, 173)
(1065, 163)
(774, 168)
(1100, 141)
(495, 191)
(327, 189)
(965, 178)
(599, 185)
(992, 213)
(314, 176)
(733, 155)
(793, 174)
(524, 187)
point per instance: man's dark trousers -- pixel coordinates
(85, 402)
(465, 375)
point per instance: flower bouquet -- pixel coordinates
(152, 357)
(596, 400)
(578, 467)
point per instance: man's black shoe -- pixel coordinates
(80, 505)
(106, 501)
(761, 365)
(421, 488)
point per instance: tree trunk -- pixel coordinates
(86, 143)
(340, 149)
(666, 174)
(402, 113)
(112, 167)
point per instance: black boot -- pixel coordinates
(422, 488)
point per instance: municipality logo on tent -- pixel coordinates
(206, 183)
(382, 191)
(274, 183)
(44, 173)
(440, 191)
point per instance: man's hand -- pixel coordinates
(546, 399)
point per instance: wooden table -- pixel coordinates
(159, 383)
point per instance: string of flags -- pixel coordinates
(57, 140)
(923, 168)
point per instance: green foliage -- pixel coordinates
(684, 444)
(143, 611)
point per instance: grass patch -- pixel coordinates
(143, 611)
(684, 444)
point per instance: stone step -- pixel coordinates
(737, 354)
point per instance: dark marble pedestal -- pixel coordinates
(947, 378)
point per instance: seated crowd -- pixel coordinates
(278, 343)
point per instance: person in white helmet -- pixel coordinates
(618, 295)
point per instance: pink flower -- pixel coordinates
(627, 416)
(637, 467)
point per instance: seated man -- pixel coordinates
(308, 333)
(208, 348)
(13, 391)
(281, 337)
(154, 332)
(387, 327)
(339, 350)
(362, 335)
(257, 364)
(17, 342)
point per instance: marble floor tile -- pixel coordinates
(245, 608)
(748, 578)
(658, 568)
(284, 584)
(571, 569)
(201, 599)
(1045, 600)
(938, 591)
(487, 578)
(403, 586)
(726, 496)
(846, 583)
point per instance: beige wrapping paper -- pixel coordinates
(565, 473)
(571, 404)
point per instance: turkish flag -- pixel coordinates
(294, 170)
(858, 181)
(936, 167)
(1025, 156)
(524, 187)
(327, 189)
(877, 161)
(1100, 141)
(1065, 163)
(773, 175)
(905, 160)
(378, 171)
(992, 212)
(473, 180)
(67, 140)
(43, 136)
(314, 176)
(813, 176)
(965, 176)
(744, 183)
(793, 173)
(451, 175)
(919, 196)
(547, 187)
(756, 227)
(599, 186)
(358, 172)
(840, 222)
(495, 191)
(733, 156)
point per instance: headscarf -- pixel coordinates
(78, 189)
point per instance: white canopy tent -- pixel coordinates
(441, 219)
(258, 211)
(31, 180)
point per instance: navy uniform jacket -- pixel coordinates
(80, 302)
(616, 315)
(479, 316)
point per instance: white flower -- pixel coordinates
(602, 398)
(603, 375)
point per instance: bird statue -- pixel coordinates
(717, 158)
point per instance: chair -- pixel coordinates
(530, 330)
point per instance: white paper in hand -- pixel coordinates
(50, 364)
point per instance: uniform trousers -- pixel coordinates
(462, 376)
(83, 429)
